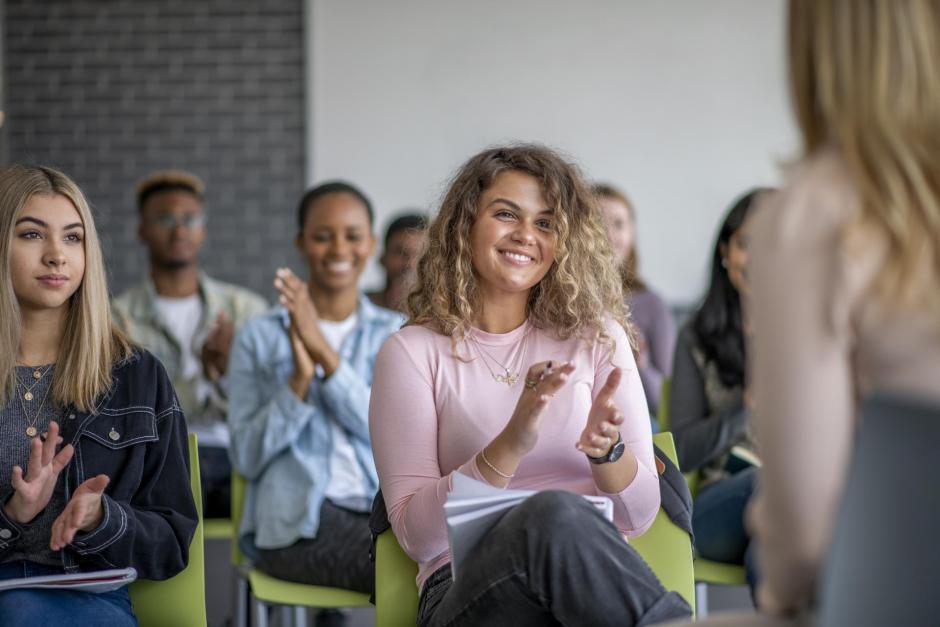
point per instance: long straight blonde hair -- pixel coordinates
(865, 80)
(91, 344)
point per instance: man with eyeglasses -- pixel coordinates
(187, 319)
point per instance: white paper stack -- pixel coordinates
(473, 508)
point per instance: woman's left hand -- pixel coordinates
(82, 513)
(604, 420)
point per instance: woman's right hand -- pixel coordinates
(32, 492)
(542, 381)
(304, 367)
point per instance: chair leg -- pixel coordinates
(300, 616)
(241, 601)
(260, 613)
(701, 600)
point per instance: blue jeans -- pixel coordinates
(552, 560)
(718, 521)
(62, 608)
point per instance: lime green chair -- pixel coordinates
(218, 528)
(267, 590)
(396, 594)
(180, 600)
(707, 572)
(662, 415)
(665, 547)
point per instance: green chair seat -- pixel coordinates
(268, 590)
(719, 573)
(218, 528)
(181, 599)
(273, 590)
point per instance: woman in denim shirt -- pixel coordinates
(116, 493)
(299, 383)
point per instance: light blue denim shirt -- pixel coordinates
(281, 444)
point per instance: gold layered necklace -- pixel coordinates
(31, 430)
(510, 370)
(38, 374)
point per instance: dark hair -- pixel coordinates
(406, 222)
(324, 189)
(718, 323)
(167, 181)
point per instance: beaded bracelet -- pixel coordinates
(492, 467)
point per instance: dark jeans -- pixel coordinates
(62, 608)
(552, 560)
(215, 472)
(338, 557)
(718, 521)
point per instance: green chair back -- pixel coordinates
(662, 415)
(665, 547)
(180, 600)
(396, 593)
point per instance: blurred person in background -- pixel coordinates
(299, 386)
(404, 242)
(709, 405)
(651, 318)
(186, 318)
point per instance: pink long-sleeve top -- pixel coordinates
(431, 413)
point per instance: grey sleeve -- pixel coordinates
(700, 435)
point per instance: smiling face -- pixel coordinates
(336, 241)
(47, 255)
(512, 240)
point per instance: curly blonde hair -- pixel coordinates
(581, 288)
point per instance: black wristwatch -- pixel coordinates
(615, 452)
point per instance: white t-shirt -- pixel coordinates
(346, 478)
(182, 317)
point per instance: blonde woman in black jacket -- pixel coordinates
(93, 454)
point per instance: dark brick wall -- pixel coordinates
(109, 90)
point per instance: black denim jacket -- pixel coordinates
(137, 436)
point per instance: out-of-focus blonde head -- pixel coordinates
(865, 81)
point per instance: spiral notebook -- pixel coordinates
(96, 581)
(473, 508)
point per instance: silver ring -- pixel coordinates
(531, 383)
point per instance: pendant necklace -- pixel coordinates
(37, 377)
(31, 429)
(511, 374)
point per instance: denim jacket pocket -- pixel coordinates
(121, 428)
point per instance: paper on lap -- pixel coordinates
(97, 581)
(473, 508)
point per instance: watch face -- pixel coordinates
(616, 452)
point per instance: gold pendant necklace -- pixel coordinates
(31, 429)
(511, 374)
(37, 377)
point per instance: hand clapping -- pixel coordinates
(82, 513)
(33, 491)
(604, 420)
